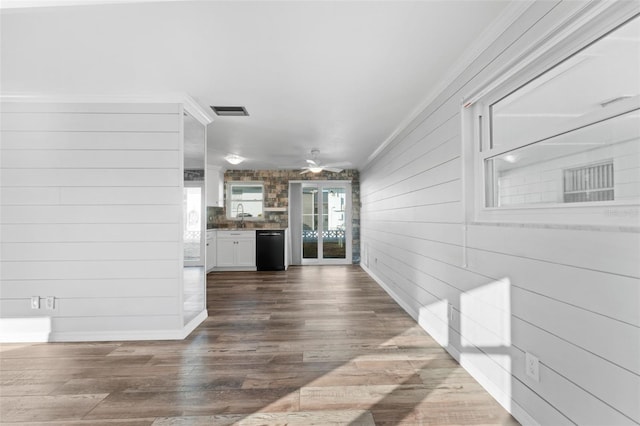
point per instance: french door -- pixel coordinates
(326, 222)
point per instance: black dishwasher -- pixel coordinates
(270, 250)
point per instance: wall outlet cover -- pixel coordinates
(50, 302)
(532, 366)
(35, 302)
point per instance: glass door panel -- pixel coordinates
(192, 232)
(333, 221)
(309, 222)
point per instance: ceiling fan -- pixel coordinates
(313, 166)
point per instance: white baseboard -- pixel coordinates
(500, 396)
(38, 330)
(25, 330)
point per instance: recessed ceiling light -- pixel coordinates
(234, 159)
(230, 111)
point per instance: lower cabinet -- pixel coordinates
(211, 250)
(236, 250)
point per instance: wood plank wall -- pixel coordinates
(569, 296)
(91, 214)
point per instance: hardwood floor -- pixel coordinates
(310, 346)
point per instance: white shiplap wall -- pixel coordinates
(90, 214)
(569, 295)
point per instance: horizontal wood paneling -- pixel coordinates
(570, 296)
(615, 341)
(430, 146)
(89, 122)
(91, 214)
(421, 212)
(447, 253)
(449, 233)
(89, 288)
(64, 233)
(438, 193)
(93, 307)
(587, 370)
(83, 159)
(572, 247)
(97, 251)
(75, 214)
(448, 170)
(127, 196)
(85, 107)
(90, 196)
(131, 141)
(79, 270)
(599, 292)
(88, 177)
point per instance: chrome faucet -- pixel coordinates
(238, 208)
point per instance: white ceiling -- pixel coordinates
(338, 76)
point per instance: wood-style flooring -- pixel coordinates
(315, 345)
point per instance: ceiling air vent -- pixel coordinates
(236, 111)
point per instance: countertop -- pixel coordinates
(248, 229)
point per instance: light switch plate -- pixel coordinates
(35, 302)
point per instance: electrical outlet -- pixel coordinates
(50, 302)
(35, 302)
(532, 366)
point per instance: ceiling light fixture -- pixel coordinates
(234, 159)
(315, 169)
(510, 158)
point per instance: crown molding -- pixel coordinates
(203, 115)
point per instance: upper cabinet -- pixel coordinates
(215, 186)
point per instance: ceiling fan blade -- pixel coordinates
(305, 170)
(313, 163)
(332, 169)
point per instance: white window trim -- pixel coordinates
(569, 37)
(230, 213)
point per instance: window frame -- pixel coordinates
(229, 189)
(476, 130)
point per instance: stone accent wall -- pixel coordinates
(276, 189)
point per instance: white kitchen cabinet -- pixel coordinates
(211, 249)
(246, 252)
(236, 250)
(215, 186)
(226, 253)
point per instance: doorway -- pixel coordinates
(324, 231)
(193, 231)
